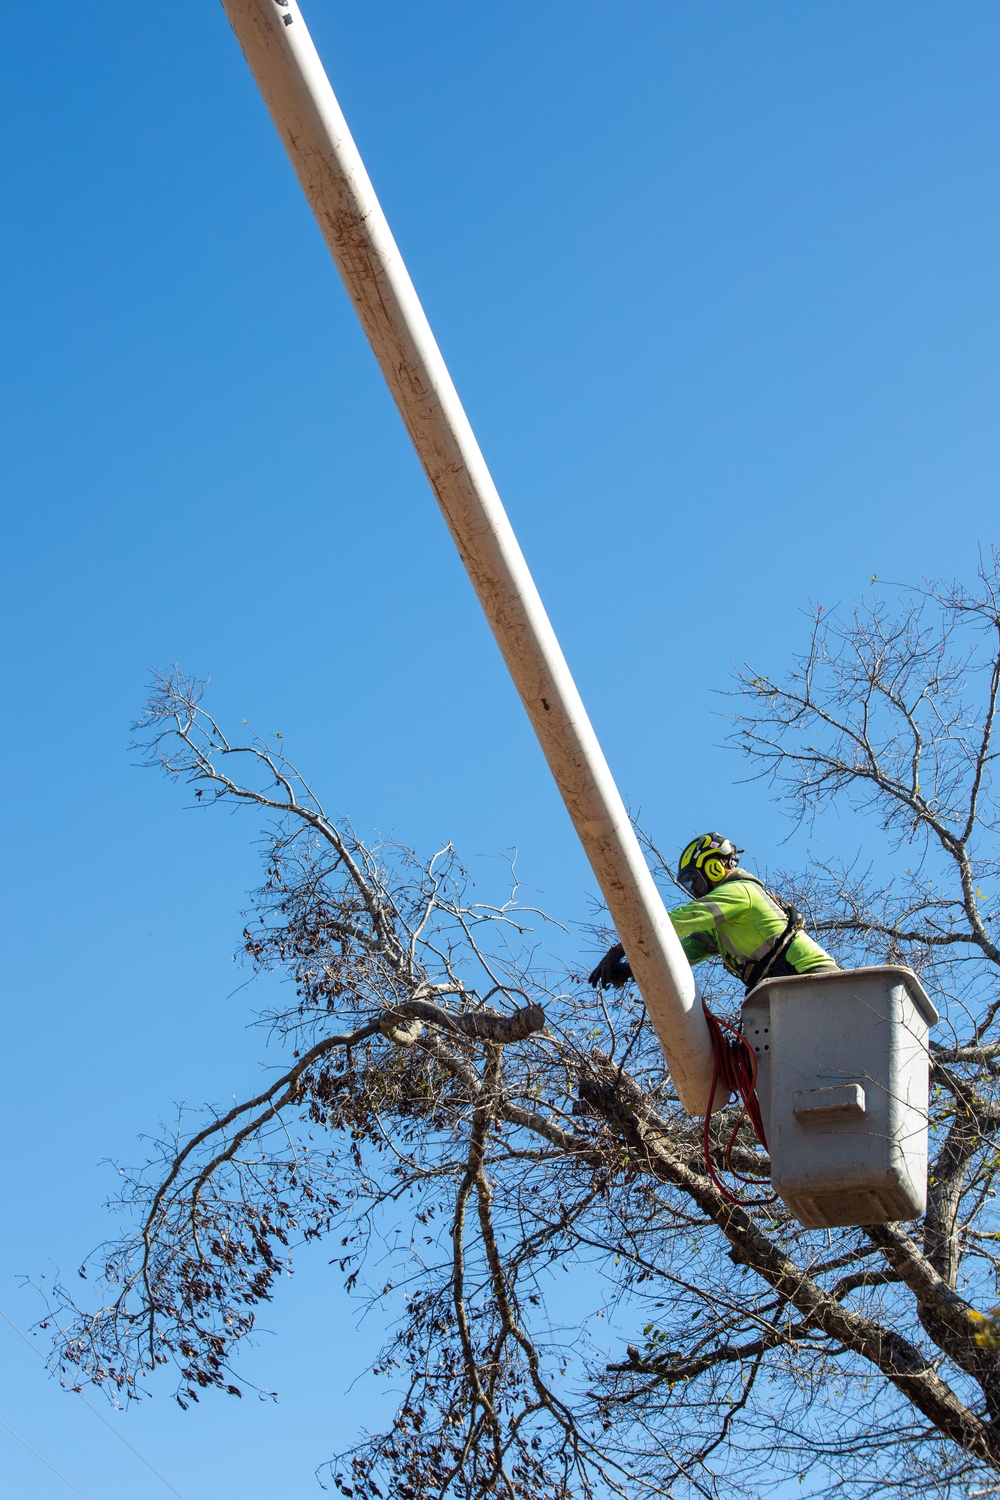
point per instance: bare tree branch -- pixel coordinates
(494, 1156)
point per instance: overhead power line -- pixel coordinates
(99, 1415)
(42, 1460)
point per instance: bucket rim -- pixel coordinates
(899, 972)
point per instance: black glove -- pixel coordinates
(612, 970)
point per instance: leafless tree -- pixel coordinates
(499, 1158)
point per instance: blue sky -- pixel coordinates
(718, 286)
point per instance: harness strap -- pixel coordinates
(757, 965)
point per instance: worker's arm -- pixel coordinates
(613, 969)
(726, 903)
(699, 946)
(805, 954)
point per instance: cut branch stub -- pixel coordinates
(481, 1025)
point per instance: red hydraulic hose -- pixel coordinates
(735, 1068)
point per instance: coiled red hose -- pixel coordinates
(735, 1067)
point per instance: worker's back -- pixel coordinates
(751, 930)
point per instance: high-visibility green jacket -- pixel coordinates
(741, 923)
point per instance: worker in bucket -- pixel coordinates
(732, 917)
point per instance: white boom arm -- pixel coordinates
(298, 95)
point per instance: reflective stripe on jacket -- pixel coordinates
(740, 922)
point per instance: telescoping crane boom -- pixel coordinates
(297, 92)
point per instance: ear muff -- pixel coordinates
(713, 869)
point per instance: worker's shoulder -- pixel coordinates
(738, 888)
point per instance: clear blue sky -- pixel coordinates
(719, 286)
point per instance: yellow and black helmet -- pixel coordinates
(709, 855)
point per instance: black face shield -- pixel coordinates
(694, 882)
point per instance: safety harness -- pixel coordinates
(764, 960)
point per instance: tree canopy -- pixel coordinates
(496, 1154)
